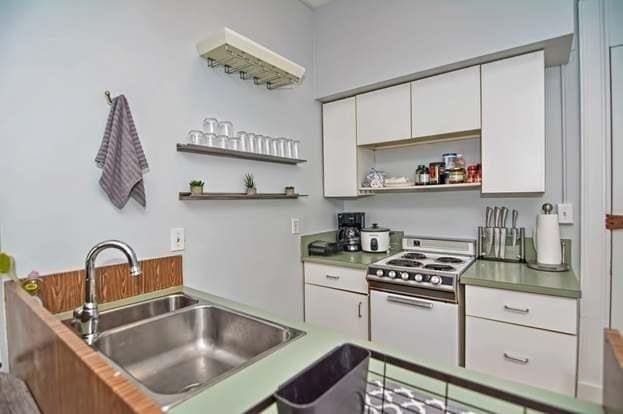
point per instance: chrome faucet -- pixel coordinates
(86, 317)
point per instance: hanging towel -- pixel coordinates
(121, 157)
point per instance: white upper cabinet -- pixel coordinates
(446, 104)
(339, 137)
(384, 115)
(513, 125)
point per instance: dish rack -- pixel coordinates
(397, 386)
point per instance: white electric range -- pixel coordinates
(415, 300)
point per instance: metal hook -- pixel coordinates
(108, 98)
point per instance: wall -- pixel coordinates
(364, 42)
(57, 60)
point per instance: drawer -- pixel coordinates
(531, 356)
(528, 309)
(336, 277)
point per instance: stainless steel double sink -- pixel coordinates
(176, 345)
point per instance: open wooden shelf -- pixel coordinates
(220, 152)
(419, 188)
(238, 196)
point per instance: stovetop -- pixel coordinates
(429, 263)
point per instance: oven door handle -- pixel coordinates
(413, 302)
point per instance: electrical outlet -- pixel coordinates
(295, 225)
(177, 239)
(565, 213)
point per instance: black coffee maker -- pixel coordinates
(349, 227)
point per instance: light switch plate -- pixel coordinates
(177, 239)
(295, 225)
(565, 213)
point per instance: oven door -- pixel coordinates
(426, 329)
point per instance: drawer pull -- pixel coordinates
(520, 360)
(359, 310)
(518, 310)
(333, 277)
(412, 302)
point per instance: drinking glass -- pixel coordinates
(244, 140)
(261, 144)
(252, 142)
(221, 141)
(210, 126)
(195, 137)
(233, 144)
(286, 146)
(275, 147)
(209, 139)
(226, 128)
(296, 149)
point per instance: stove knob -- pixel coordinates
(391, 274)
(379, 273)
(435, 280)
(404, 276)
(418, 277)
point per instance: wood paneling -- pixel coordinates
(64, 291)
(613, 371)
(63, 373)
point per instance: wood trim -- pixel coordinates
(63, 373)
(614, 222)
(64, 291)
(613, 371)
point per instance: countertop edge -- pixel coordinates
(518, 287)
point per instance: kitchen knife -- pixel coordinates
(488, 231)
(503, 216)
(514, 229)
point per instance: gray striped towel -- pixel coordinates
(121, 157)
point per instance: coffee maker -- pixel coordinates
(349, 227)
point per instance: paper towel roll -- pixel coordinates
(547, 241)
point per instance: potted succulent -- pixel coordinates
(290, 191)
(196, 187)
(249, 184)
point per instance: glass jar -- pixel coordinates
(473, 173)
(436, 172)
(422, 177)
(456, 175)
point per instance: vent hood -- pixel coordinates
(238, 54)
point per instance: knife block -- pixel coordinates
(488, 241)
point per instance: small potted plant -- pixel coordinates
(196, 187)
(290, 191)
(249, 184)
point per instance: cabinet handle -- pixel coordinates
(518, 310)
(412, 302)
(332, 277)
(359, 310)
(520, 360)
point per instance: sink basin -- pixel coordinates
(143, 310)
(176, 355)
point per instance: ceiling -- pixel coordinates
(315, 3)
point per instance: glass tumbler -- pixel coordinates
(195, 137)
(286, 144)
(261, 145)
(252, 140)
(244, 141)
(226, 128)
(210, 126)
(209, 140)
(221, 141)
(233, 144)
(296, 149)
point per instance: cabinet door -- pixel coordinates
(513, 125)
(344, 312)
(447, 103)
(339, 138)
(384, 115)
(532, 356)
(426, 329)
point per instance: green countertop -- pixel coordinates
(356, 260)
(521, 278)
(242, 390)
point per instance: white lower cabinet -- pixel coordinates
(428, 330)
(523, 337)
(342, 311)
(532, 356)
